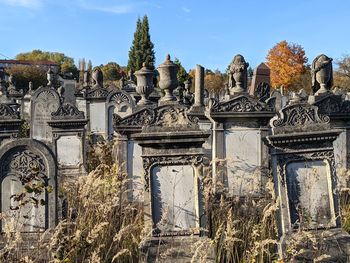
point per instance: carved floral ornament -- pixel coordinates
(298, 116)
(163, 116)
(239, 104)
(22, 163)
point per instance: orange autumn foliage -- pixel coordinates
(287, 62)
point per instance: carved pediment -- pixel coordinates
(119, 97)
(167, 116)
(239, 104)
(67, 111)
(329, 104)
(299, 117)
(97, 93)
(7, 113)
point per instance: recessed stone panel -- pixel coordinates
(69, 151)
(173, 198)
(98, 117)
(310, 193)
(243, 158)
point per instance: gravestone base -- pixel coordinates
(177, 249)
(331, 245)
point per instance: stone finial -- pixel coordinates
(50, 77)
(30, 86)
(238, 76)
(199, 87)
(144, 84)
(12, 82)
(168, 79)
(97, 77)
(322, 74)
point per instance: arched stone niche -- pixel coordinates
(18, 160)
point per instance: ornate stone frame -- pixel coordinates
(150, 162)
(283, 158)
(49, 159)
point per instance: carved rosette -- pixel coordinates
(151, 161)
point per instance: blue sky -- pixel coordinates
(202, 32)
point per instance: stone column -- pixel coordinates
(199, 87)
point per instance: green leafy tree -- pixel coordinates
(111, 71)
(23, 74)
(142, 49)
(182, 75)
(66, 63)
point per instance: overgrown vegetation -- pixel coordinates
(242, 229)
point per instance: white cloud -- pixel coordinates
(185, 9)
(112, 8)
(31, 4)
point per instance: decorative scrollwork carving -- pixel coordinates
(298, 115)
(7, 113)
(164, 116)
(67, 111)
(97, 93)
(239, 104)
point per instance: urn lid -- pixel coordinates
(144, 70)
(167, 63)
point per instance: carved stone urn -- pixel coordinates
(144, 86)
(238, 72)
(322, 74)
(168, 79)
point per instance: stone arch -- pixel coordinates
(17, 160)
(121, 103)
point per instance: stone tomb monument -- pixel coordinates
(68, 127)
(240, 159)
(44, 101)
(96, 104)
(305, 181)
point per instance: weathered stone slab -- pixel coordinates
(243, 158)
(97, 117)
(310, 193)
(44, 101)
(69, 151)
(173, 198)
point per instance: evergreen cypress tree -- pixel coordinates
(147, 46)
(142, 47)
(135, 58)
